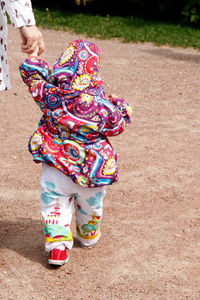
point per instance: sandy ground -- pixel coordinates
(150, 246)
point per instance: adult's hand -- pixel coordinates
(31, 38)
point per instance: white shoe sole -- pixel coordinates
(58, 262)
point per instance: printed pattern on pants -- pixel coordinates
(59, 194)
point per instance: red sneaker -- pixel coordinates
(58, 257)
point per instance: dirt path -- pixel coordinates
(150, 247)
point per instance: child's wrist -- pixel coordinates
(34, 52)
(32, 55)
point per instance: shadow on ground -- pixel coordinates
(173, 54)
(25, 236)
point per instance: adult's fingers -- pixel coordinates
(29, 47)
(41, 47)
(29, 43)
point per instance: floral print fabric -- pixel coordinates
(77, 120)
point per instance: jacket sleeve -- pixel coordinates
(35, 72)
(20, 12)
(115, 115)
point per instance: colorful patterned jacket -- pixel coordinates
(77, 119)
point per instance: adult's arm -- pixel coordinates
(20, 12)
(22, 17)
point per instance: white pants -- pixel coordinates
(58, 194)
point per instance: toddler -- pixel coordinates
(71, 141)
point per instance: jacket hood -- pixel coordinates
(78, 67)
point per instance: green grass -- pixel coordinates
(128, 29)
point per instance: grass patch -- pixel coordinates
(128, 29)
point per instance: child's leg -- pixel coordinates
(56, 208)
(89, 210)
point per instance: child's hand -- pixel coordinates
(35, 52)
(113, 96)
